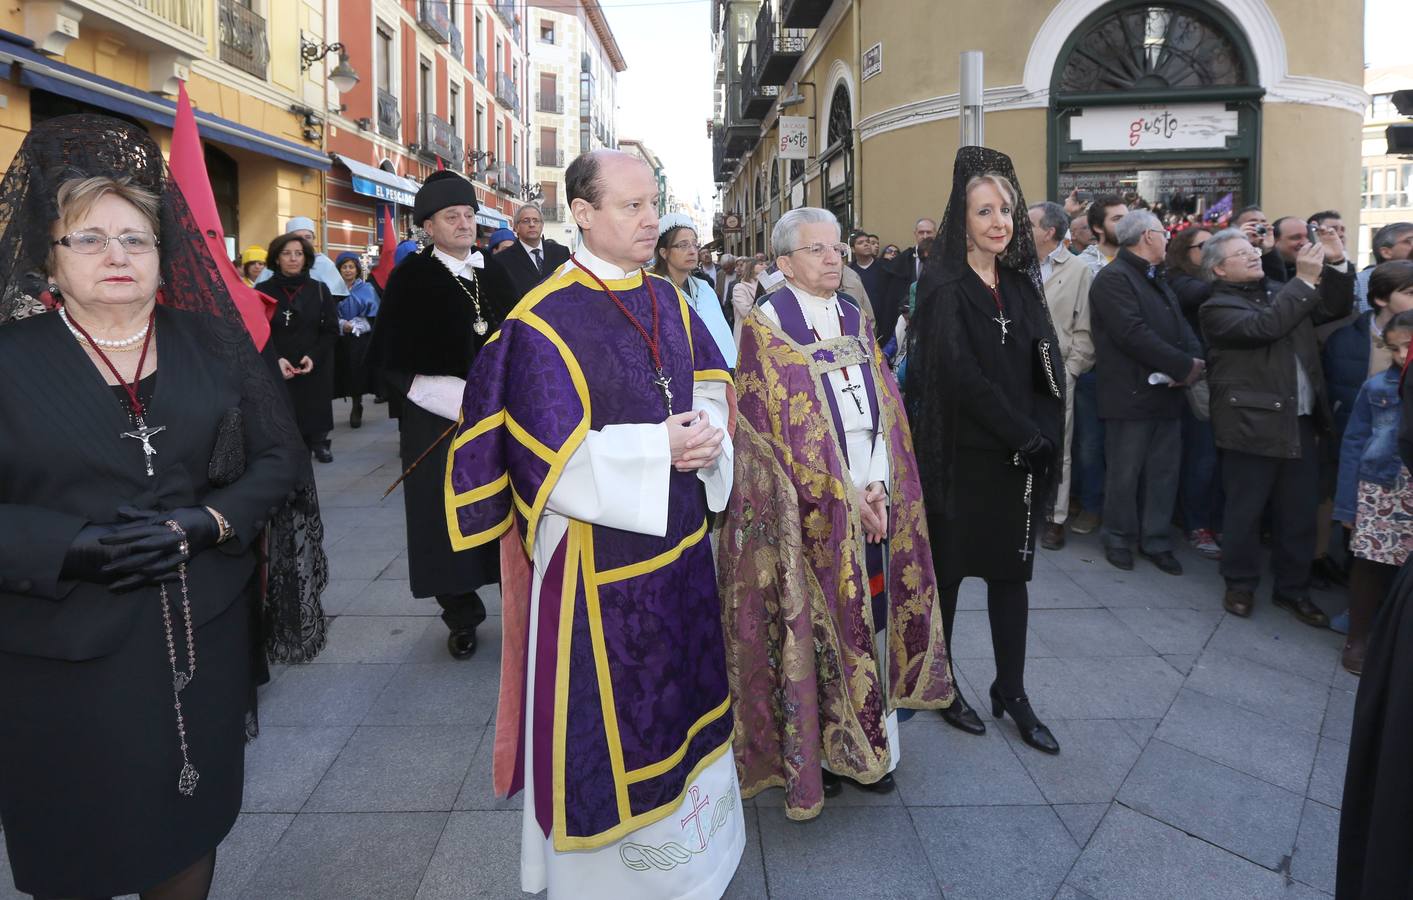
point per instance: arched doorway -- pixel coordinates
(836, 163)
(1158, 100)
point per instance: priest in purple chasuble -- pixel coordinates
(593, 442)
(828, 596)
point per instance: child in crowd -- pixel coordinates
(1374, 497)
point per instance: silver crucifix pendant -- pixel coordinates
(664, 384)
(289, 314)
(853, 391)
(145, 434)
(1003, 322)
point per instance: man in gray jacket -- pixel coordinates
(1269, 402)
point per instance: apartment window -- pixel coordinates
(1382, 108)
(500, 141)
(1388, 186)
(425, 102)
(386, 61)
(547, 31)
(454, 109)
(515, 152)
(478, 40)
(500, 56)
(480, 136)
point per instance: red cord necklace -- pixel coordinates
(849, 387)
(143, 432)
(662, 382)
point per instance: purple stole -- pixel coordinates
(792, 321)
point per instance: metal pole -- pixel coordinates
(972, 112)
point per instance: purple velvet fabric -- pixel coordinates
(562, 364)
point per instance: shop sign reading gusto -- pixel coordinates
(1185, 126)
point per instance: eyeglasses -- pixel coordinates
(90, 243)
(1249, 252)
(685, 245)
(1198, 245)
(821, 249)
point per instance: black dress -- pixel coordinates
(306, 323)
(983, 521)
(426, 327)
(89, 756)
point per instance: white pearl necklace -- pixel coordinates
(106, 345)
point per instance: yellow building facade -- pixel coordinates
(260, 104)
(1195, 104)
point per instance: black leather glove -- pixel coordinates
(1037, 455)
(155, 550)
(88, 555)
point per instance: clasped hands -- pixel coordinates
(694, 442)
(140, 548)
(873, 506)
(290, 370)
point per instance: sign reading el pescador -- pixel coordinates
(1180, 126)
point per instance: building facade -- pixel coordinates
(444, 85)
(1387, 182)
(256, 98)
(574, 61)
(1191, 103)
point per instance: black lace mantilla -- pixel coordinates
(291, 617)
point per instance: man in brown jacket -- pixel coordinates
(1067, 281)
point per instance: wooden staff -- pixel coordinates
(392, 487)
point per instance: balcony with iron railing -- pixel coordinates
(548, 156)
(549, 103)
(389, 118)
(481, 68)
(756, 98)
(552, 212)
(586, 64)
(777, 49)
(803, 13)
(505, 178)
(438, 139)
(458, 49)
(242, 37)
(508, 12)
(188, 15)
(506, 93)
(434, 17)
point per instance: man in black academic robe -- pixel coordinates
(533, 257)
(439, 307)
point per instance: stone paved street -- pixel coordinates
(1203, 756)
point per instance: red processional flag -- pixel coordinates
(386, 256)
(188, 165)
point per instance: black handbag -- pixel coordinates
(228, 455)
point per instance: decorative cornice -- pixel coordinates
(1319, 92)
(948, 106)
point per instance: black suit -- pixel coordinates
(89, 755)
(521, 267)
(898, 276)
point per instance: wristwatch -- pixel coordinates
(226, 531)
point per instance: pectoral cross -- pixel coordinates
(289, 314)
(664, 384)
(853, 391)
(145, 434)
(1003, 322)
(698, 805)
(1025, 553)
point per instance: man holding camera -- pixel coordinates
(1269, 401)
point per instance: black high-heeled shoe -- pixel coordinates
(961, 716)
(1032, 730)
(833, 784)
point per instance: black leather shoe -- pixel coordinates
(1302, 609)
(961, 716)
(1052, 537)
(1032, 731)
(1326, 573)
(323, 453)
(833, 784)
(1119, 558)
(461, 643)
(355, 418)
(1238, 602)
(883, 785)
(1165, 561)
(379, 398)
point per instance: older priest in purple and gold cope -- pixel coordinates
(593, 442)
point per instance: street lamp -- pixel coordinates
(343, 77)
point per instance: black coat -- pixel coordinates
(897, 276)
(1004, 399)
(1254, 335)
(426, 327)
(1191, 293)
(89, 755)
(1138, 330)
(521, 268)
(306, 323)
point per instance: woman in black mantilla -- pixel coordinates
(439, 307)
(304, 330)
(985, 392)
(158, 525)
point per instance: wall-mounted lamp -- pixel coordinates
(343, 75)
